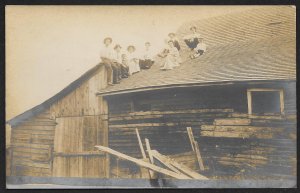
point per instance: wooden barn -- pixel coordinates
(239, 98)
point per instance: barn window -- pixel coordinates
(265, 101)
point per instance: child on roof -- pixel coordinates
(118, 59)
(132, 60)
(173, 58)
(192, 41)
(147, 59)
(106, 55)
(172, 36)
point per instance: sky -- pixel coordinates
(48, 47)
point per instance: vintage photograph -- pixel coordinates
(150, 97)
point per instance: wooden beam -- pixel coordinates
(187, 171)
(140, 143)
(78, 154)
(198, 154)
(249, 99)
(166, 163)
(263, 89)
(195, 147)
(141, 163)
(193, 111)
(190, 137)
(149, 150)
(151, 173)
(281, 95)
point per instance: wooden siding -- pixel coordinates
(233, 144)
(31, 146)
(78, 135)
(82, 101)
(74, 124)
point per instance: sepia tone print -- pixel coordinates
(213, 107)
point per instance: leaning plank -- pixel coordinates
(199, 158)
(151, 173)
(195, 147)
(187, 171)
(143, 151)
(191, 137)
(166, 163)
(152, 160)
(141, 163)
(140, 143)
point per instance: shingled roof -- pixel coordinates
(254, 45)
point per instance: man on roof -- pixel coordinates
(118, 59)
(106, 55)
(147, 58)
(192, 41)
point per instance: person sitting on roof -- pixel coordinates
(192, 40)
(173, 58)
(173, 37)
(119, 62)
(165, 50)
(125, 65)
(132, 60)
(147, 59)
(106, 55)
(200, 49)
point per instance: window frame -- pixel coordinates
(249, 97)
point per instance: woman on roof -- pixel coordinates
(172, 36)
(132, 60)
(173, 58)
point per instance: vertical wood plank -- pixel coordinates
(249, 99)
(281, 95)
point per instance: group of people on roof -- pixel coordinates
(172, 53)
(120, 64)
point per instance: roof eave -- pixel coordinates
(161, 87)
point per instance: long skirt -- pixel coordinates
(133, 66)
(171, 62)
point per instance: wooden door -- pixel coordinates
(74, 153)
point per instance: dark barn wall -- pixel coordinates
(242, 146)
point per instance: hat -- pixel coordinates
(193, 27)
(131, 46)
(107, 38)
(171, 41)
(171, 34)
(117, 46)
